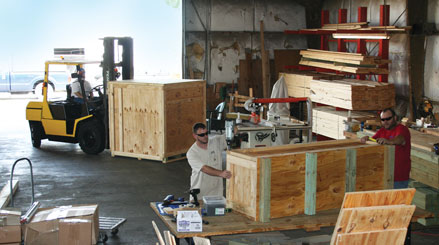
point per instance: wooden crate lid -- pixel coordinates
(301, 148)
(158, 81)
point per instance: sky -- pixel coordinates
(32, 29)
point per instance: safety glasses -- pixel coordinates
(386, 119)
(202, 135)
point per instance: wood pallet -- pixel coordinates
(331, 123)
(353, 94)
(317, 176)
(374, 217)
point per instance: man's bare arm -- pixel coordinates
(398, 140)
(215, 172)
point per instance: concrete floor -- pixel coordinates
(123, 187)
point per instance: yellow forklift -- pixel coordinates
(84, 123)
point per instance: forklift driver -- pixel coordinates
(76, 88)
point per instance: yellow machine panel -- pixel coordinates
(33, 111)
(55, 127)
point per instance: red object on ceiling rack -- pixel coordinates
(383, 44)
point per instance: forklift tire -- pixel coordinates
(36, 133)
(91, 137)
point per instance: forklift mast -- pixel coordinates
(109, 72)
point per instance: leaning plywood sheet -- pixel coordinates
(153, 120)
(374, 217)
(352, 94)
(273, 182)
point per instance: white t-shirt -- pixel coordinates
(198, 157)
(76, 87)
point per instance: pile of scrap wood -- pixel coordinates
(331, 123)
(344, 62)
(353, 94)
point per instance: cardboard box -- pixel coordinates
(10, 234)
(75, 232)
(44, 226)
(189, 221)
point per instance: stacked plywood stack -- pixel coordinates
(425, 163)
(374, 217)
(344, 62)
(298, 83)
(426, 198)
(352, 94)
(331, 123)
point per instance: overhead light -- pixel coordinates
(361, 35)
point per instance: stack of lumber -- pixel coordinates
(426, 198)
(298, 83)
(425, 162)
(352, 94)
(345, 26)
(358, 26)
(316, 175)
(331, 123)
(374, 217)
(342, 61)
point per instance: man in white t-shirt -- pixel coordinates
(205, 159)
(76, 88)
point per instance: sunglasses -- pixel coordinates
(386, 119)
(202, 135)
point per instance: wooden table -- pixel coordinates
(235, 223)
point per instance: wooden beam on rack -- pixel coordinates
(265, 65)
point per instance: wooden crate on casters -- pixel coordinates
(153, 120)
(281, 181)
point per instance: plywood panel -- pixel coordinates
(378, 237)
(330, 179)
(243, 199)
(287, 192)
(370, 168)
(378, 198)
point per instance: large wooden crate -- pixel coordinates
(154, 121)
(280, 181)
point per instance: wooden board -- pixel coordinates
(425, 197)
(331, 123)
(374, 217)
(289, 164)
(353, 94)
(344, 67)
(154, 120)
(5, 194)
(423, 141)
(298, 82)
(285, 57)
(235, 223)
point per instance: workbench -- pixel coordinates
(235, 223)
